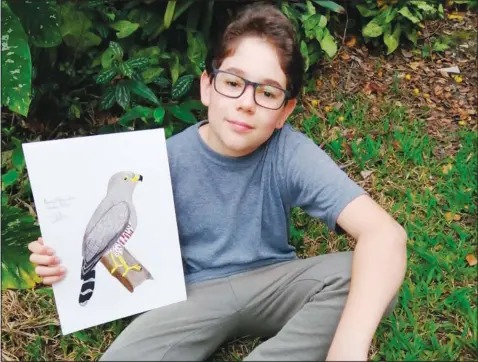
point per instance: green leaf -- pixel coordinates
(158, 115)
(74, 28)
(123, 95)
(151, 73)
(407, 13)
(182, 86)
(331, 6)
(365, 11)
(174, 68)
(108, 99)
(305, 53)
(125, 69)
(193, 104)
(40, 19)
(143, 91)
(135, 113)
(124, 28)
(116, 49)
(106, 75)
(9, 178)
(372, 29)
(18, 229)
(182, 114)
(169, 13)
(310, 8)
(392, 40)
(422, 5)
(328, 45)
(107, 58)
(16, 64)
(18, 159)
(162, 82)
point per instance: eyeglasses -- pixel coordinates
(233, 86)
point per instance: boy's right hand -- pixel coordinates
(49, 268)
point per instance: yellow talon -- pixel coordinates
(115, 264)
(127, 268)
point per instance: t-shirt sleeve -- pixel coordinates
(316, 184)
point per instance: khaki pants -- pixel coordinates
(296, 304)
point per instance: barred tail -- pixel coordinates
(87, 287)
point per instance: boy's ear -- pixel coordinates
(206, 88)
(285, 112)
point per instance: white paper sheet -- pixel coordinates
(69, 179)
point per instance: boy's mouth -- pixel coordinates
(240, 126)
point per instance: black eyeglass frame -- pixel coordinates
(247, 82)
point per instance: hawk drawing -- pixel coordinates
(109, 229)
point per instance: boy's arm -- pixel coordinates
(378, 269)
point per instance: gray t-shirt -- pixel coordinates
(233, 213)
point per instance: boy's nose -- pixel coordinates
(246, 100)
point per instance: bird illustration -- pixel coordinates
(109, 229)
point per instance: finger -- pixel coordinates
(44, 259)
(37, 248)
(40, 240)
(46, 271)
(52, 280)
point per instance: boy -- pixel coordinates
(235, 178)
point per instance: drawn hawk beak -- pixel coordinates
(137, 178)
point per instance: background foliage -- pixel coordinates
(84, 67)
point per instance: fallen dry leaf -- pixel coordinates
(471, 259)
(453, 69)
(407, 54)
(448, 216)
(365, 174)
(345, 56)
(447, 168)
(351, 42)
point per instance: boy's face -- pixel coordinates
(238, 126)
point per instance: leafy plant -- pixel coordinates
(390, 19)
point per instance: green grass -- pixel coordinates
(436, 315)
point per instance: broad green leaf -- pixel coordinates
(151, 73)
(392, 40)
(158, 115)
(9, 178)
(174, 68)
(108, 99)
(422, 5)
(117, 50)
(193, 104)
(107, 58)
(407, 13)
(372, 29)
(124, 28)
(331, 5)
(16, 64)
(143, 91)
(169, 13)
(310, 7)
(74, 28)
(182, 114)
(40, 19)
(125, 69)
(135, 113)
(123, 95)
(319, 33)
(328, 45)
(18, 229)
(365, 11)
(323, 21)
(18, 159)
(305, 53)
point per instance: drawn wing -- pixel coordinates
(104, 234)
